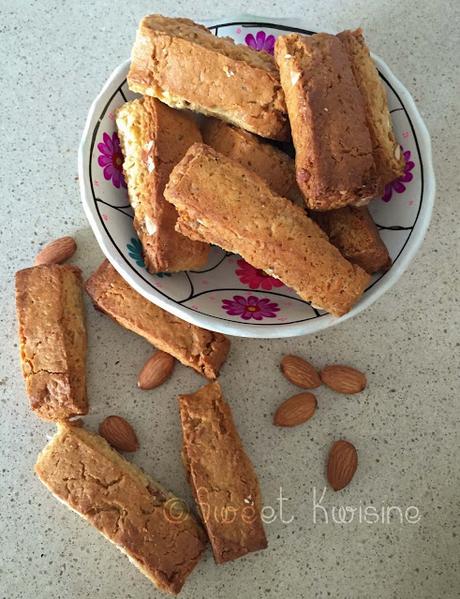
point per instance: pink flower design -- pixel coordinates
(254, 277)
(262, 42)
(250, 307)
(111, 159)
(398, 184)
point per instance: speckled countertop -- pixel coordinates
(56, 55)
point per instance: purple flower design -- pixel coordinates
(398, 184)
(262, 42)
(250, 307)
(111, 159)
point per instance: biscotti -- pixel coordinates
(334, 161)
(52, 339)
(153, 139)
(221, 202)
(270, 163)
(388, 157)
(147, 523)
(221, 475)
(353, 231)
(184, 65)
(202, 350)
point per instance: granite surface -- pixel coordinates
(56, 55)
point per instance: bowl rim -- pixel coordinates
(269, 331)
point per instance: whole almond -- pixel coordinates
(119, 433)
(295, 410)
(343, 379)
(56, 251)
(156, 370)
(342, 464)
(300, 372)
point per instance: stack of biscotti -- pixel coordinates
(350, 229)
(324, 88)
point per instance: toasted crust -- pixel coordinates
(153, 139)
(202, 350)
(184, 65)
(52, 339)
(146, 522)
(222, 477)
(387, 153)
(334, 161)
(211, 195)
(270, 163)
(353, 231)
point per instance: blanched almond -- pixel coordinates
(343, 379)
(156, 370)
(119, 433)
(56, 251)
(295, 410)
(342, 464)
(300, 372)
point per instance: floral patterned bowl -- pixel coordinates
(228, 294)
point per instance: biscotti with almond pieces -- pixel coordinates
(222, 478)
(270, 163)
(184, 65)
(221, 202)
(153, 139)
(147, 523)
(202, 350)
(52, 339)
(350, 229)
(334, 161)
(388, 157)
(355, 234)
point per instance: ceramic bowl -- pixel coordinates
(229, 295)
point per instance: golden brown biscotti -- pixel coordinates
(211, 193)
(353, 231)
(153, 139)
(146, 522)
(184, 65)
(221, 475)
(334, 162)
(270, 163)
(350, 229)
(202, 350)
(52, 339)
(387, 152)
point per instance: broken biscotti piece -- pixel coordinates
(52, 339)
(387, 151)
(202, 350)
(334, 161)
(184, 65)
(270, 163)
(353, 231)
(151, 526)
(153, 139)
(221, 202)
(221, 475)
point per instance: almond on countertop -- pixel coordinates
(56, 251)
(295, 410)
(119, 433)
(343, 379)
(156, 370)
(342, 464)
(300, 372)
